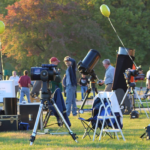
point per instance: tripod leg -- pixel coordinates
(46, 118)
(62, 117)
(124, 97)
(36, 124)
(85, 98)
(141, 103)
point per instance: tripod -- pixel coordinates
(131, 90)
(92, 78)
(45, 97)
(85, 98)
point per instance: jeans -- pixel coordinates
(71, 100)
(24, 91)
(83, 90)
(147, 90)
(93, 90)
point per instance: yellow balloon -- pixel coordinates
(105, 10)
(2, 27)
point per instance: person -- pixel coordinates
(53, 84)
(54, 60)
(83, 82)
(15, 78)
(109, 75)
(64, 84)
(24, 84)
(148, 83)
(71, 85)
(93, 87)
(147, 80)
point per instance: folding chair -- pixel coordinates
(89, 124)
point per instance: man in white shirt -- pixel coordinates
(147, 82)
(147, 77)
(15, 78)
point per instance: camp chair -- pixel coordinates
(89, 124)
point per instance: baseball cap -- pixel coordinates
(54, 59)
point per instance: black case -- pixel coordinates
(9, 122)
(28, 113)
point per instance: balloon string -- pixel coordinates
(121, 42)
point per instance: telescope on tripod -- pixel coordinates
(131, 90)
(86, 66)
(45, 74)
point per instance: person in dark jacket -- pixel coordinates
(71, 85)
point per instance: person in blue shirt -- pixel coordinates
(71, 85)
(109, 75)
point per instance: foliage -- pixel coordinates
(37, 30)
(131, 20)
(4, 4)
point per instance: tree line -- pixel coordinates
(39, 29)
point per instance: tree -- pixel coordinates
(131, 20)
(37, 30)
(4, 4)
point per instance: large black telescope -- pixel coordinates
(87, 65)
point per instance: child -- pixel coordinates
(83, 82)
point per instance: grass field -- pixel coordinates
(132, 130)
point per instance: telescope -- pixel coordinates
(87, 65)
(48, 71)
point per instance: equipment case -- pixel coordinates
(29, 113)
(9, 122)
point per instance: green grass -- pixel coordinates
(144, 104)
(132, 130)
